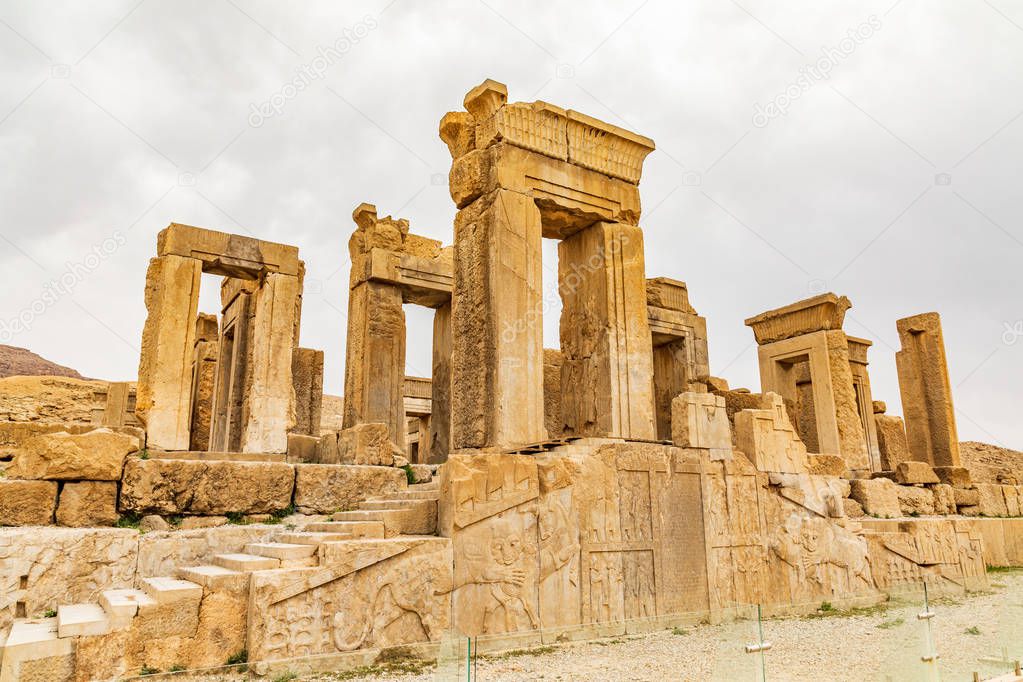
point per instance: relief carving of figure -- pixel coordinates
(557, 546)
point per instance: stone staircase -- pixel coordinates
(176, 598)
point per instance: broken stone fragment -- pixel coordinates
(97, 455)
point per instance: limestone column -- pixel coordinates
(607, 370)
(926, 391)
(204, 377)
(375, 361)
(168, 341)
(270, 403)
(440, 401)
(496, 308)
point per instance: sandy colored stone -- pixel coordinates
(553, 419)
(915, 472)
(367, 444)
(307, 375)
(852, 508)
(153, 523)
(926, 391)
(767, 438)
(421, 473)
(822, 312)
(496, 303)
(915, 501)
(879, 497)
(168, 342)
(826, 465)
(90, 503)
(332, 413)
(162, 553)
(944, 499)
(605, 334)
(891, 439)
(1012, 500)
(327, 488)
(699, 420)
(966, 497)
(49, 399)
(198, 487)
(440, 388)
(958, 477)
(27, 503)
(198, 522)
(95, 455)
(63, 565)
(991, 499)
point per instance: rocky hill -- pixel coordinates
(992, 464)
(23, 362)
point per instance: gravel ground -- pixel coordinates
(883, 643)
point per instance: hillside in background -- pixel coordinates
(23, 362)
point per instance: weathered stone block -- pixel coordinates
(826, 465)
(879, 496)
(915, 501)
(853, 509)
(1012, 500)
(944, 499)
(97, 455)
(303, 449)
(174, 486)
(991, 500)
(957, 477)
(699, 420)
(891, 439)
(966, 497)
(90, 503)
(915, 472)
(367, 444)
(27, 503)
(327, 488)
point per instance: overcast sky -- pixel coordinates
(871, 149)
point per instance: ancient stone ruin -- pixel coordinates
(524, 494)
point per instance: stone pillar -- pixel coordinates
(375, 360)
(307, 376)
(607, 370)
(168, 341)
(116, 409)
(440, 392)
(204, 379)
(926, 391)
(270, 403)
(864, 397)
(497, 298)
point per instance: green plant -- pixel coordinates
(177, 669)
(826, 607)
(144, 454)
(129, 520)
(277, 516)
(238, 658)
(50, 613)
(174, 520)
(410, 475)
(889, 624)
(973, 630)
(679, 631)
(286, 677)
(236, 518)
(146, 670)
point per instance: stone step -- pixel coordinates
(387, 503)
(246, 562)
(221, 456)
(281, 550)
(75, 620)
(123, 604)
(214, 577)
(422, 521)
(412, 494)
(312, 538)
(169, 590)
(431, 485)
(33, 639)
(357, 529)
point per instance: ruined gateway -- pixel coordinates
(520, 493)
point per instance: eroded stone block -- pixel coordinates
(879, 497)
(27, 503)
(699, 420)
(90, 503)
(915, 472)
(96, 455)
(327, 488)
